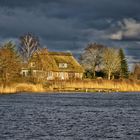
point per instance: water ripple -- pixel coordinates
(70, 116)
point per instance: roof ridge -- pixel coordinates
(61, 53)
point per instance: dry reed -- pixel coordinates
(21, 87)
(120, 85)
(90, 85)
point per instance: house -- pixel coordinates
(53, 65)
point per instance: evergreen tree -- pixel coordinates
(124, 66)
(9, 63)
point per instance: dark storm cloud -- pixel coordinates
(68, 25)
(79, 8)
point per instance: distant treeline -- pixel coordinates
(101, 61)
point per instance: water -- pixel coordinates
(70, 116)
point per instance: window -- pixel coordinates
(62, 77)
(50, 74)
(32, 64)
(24, 73)
(63, 65)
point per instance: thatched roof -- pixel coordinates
(50, 61)
(43, 61)
(25, 65)
(72, 64)
(61, 53)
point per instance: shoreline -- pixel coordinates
(67, 92)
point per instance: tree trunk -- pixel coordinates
(94, 74)
(109, 75)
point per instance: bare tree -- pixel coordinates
(137, 71)
(111, 61)
(29, 44)
(92, 57)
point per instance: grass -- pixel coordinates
(75, 85)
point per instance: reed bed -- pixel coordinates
(81, 85)
(7, 90)
(97, 85)
(21, 87)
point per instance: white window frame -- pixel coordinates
(63, 65)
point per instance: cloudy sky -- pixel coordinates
(69, 25)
